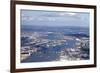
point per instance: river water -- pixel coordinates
(51, 53)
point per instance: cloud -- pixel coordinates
(28, 18)
(24, 18)
(72, 14)
(67, 13)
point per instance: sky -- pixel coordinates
(54, 18)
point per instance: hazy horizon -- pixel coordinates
(54, 18)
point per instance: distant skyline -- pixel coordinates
(54, 18)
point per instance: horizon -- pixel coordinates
(55, 26)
